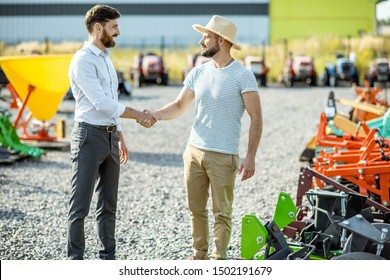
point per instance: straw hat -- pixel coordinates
(222, 27)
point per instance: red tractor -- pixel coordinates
(299, 69)
(148, 68)
(379, 71)
(192, 61)
(259, 69)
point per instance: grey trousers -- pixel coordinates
(95, 167)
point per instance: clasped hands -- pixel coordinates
(148, 119)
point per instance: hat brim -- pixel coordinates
(203, 29)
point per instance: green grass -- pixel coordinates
(321, 49)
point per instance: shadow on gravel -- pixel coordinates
(12, 214)
(174, 160)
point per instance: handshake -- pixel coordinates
(148, 118)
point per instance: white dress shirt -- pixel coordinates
(94, 84)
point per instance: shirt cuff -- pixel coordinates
(119, 110)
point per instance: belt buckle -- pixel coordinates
(111, 128)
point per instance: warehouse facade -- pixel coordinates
(143, 23)
(168, 22)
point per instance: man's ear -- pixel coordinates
(221, 40)
(98, 27)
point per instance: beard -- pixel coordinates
(210, 52)
(107, 40)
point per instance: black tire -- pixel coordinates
(371, 82)
(355, 79)
(263, 80)
(124, 88)
(164, 79)
(313, 81)
(325, 79)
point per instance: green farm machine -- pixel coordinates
(334, 222)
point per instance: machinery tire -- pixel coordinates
(313, 81)
(164, 80)
(356, 80)
(325, 79)
(263, 80)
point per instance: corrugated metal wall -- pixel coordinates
(143, 23)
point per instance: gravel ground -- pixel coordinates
(152, 220)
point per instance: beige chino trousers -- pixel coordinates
(205, 170)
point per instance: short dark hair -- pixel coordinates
(101, 14)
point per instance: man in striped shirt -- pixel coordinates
(223, 89)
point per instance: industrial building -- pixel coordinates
(147, 22)
(168, 22)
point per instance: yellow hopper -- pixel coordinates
(40, 81)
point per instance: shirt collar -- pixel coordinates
(95, 49)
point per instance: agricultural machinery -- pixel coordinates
(342, 70)
(124, 86)
(192, 61)
(37, 85)
(343, 197)
(11, 148)
(257, 66)
(299, 69)
(378, 72)
(332, 222)
(369, 110)
(148, 68)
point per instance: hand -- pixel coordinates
(247, 168)
(123, 151)
(148, 119)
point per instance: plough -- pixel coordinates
(368, 105)
(349, 133)
(337, 224)
(366, 169)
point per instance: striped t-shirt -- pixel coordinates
(219, 105)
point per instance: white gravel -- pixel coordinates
(153, 221)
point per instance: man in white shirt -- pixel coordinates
(97, 144)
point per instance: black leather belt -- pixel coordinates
(109, 128)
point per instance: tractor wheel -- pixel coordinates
(325, 78)
(313, 81)
(371, 82)
(164, 79)
(355, 79)
(263, 80)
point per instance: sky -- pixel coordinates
(383, 10)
